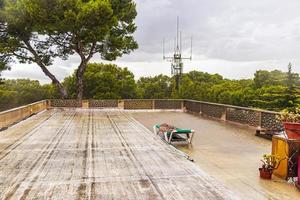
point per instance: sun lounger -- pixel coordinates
(174, 135)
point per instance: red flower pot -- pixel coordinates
(292, 130)
(265, 174)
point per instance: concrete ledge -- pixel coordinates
(10, 117)
(247, 116)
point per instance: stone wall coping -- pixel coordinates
(22, 107)
(202, 102)
(232, 106)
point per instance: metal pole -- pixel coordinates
(177, 32)
(180, 43)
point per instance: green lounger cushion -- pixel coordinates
(178, 130)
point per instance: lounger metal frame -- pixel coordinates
(169, 139)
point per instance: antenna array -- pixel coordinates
(177, 59)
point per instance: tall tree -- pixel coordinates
(88, 27)
(40, 30)
(264, 78)
(20, 42)
(104, 81)
(3, 59)
(157, 87)
(291, 90)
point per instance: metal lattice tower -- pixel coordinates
(177, 59)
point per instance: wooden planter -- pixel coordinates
(292, 130)
(265, 174)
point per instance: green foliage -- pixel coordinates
(86, 27)
(17, 28)
(274, 90)
(20, 40)
(19, 92)
(270, 97)
(290, 115)
(290, 93)
(37, 31)
(104, 81)
(263, 78)
(157, 87)
(108, 81)
(196, 85)
(278, 90)
(271, 162)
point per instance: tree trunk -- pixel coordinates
(61, 89)
(40, 63)
(79, 79)
(82, 67)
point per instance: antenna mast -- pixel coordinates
(177, 60)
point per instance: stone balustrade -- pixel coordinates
(10, 117)
(249, 116)
(241, 115)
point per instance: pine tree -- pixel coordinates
(290, 95)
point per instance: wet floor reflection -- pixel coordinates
(229, 152)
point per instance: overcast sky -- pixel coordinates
(231, 37)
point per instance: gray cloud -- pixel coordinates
(231, 30)
(232, 37)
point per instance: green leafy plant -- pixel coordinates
(289, 115)
(270, 162)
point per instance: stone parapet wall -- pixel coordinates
(192, 106)
(269, 120)
(210, 110)
(138, 104)
(10, 117)
(249, 116)
(146, 104)
(241, 115)
(167, 104)
(71, 103)
(103, 103)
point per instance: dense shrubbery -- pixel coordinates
(19, 92)
(272, 90)
(104, 81)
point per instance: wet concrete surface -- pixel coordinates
(231, 153)
(96, 154)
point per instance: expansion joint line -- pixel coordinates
(119, 133)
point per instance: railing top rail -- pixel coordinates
(231, 106)
(152, 99)
(21, 107)
(122, 99)
(202, 102)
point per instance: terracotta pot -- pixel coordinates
(292, 130)
(265, 174)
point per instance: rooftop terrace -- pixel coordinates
(94, 154)
(67, 153)
(229, 152)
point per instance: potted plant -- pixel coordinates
(270, 162)
(291, 122)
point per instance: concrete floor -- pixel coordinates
(230, 153)
(97, 154)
